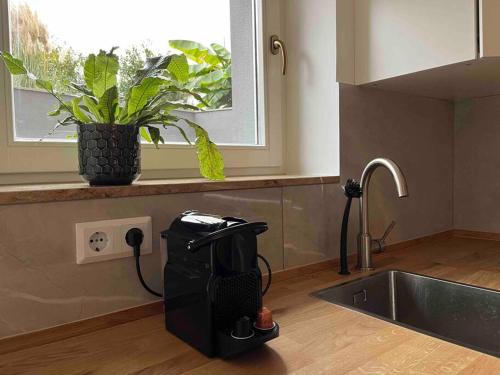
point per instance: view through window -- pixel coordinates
(54, 37)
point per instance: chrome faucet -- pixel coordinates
(365, 239)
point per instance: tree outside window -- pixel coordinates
(209, 67)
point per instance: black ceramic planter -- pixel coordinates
(109, 154)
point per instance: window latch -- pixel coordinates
(277, 46)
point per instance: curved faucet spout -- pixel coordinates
(365, 240)
(396, 172)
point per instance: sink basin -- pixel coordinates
(459, 313)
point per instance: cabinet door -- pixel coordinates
(489, 28)
(397, 37)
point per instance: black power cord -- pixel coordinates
(134, 238)
(269, 274)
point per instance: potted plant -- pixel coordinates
(110, 126)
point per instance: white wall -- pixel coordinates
(312, 94)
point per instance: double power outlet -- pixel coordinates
(104, 240)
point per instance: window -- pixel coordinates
(53, 37)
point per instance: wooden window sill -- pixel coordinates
(22, 194)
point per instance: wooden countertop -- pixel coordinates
(316, 337)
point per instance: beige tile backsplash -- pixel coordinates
(311, 217)
(415, 132)
(42, 286)
(477, 161)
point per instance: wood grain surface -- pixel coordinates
(316, 337)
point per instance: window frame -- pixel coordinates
(171, 160)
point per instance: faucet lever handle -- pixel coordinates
(378, 244)
(388, 230)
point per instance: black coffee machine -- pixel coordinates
(213, 285)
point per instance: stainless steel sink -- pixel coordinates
(459, 313)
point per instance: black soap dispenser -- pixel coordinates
(352, 189)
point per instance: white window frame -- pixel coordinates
(58, 161)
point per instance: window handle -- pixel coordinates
(277, 46)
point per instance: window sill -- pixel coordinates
(23, 194)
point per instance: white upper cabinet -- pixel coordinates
(446, 49)
(397, 37)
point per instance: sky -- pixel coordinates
(90, 25)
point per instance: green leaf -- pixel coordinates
(78, 113)
(199, 70)
(100, 72)
(179, 68)
(158, 112)
(219, 98)
(14, 65)
(154, 133)
(63, 107)
(90, 71)
(108, 104)
(172, 106)
(45, 85)
(56, 112)
(139, 95)
(81, 88)
(145, 134)
(92, 105)
(221, 51)
(70, 120)
(152, 68)
(209, 157)
(185, 91)
(117, 109)
(195, 51)
(211, 79)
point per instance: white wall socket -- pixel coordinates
(104, 240)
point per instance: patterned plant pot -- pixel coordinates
(109, 154)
